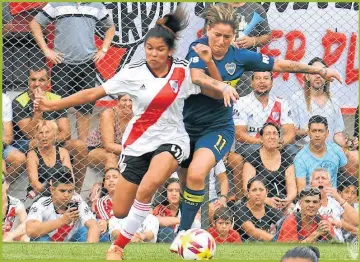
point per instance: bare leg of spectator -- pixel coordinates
(352, 166)
(97, 158)
(78, 151)
(82, 125)
(236, 163)
(16, 164)
(111, 160)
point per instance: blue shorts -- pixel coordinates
(218, 141)
(22, 145)
(6, 152)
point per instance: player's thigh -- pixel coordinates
(210, 149)
(133, 169)
(161, 167)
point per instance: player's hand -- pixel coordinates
(230, 95)
(245, 42)
(330, 74)
(204, 52)
(100, 54)
(103, 226)
(221, 202)
(54, 56)
(275, 202)
(8, 237)
(70, 215)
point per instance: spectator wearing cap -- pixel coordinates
(318, 154)
(274, 167)
(61, 216)
(222, 230)
(250, 113)
(75, 53)
(306, 226)
(255, 220)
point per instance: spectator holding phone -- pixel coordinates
(58, 218)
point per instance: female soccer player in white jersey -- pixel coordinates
(155, 140)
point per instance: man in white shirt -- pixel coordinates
(250, 114)
(341, 214)
(315, 99)
(14, 159)
(59, 217)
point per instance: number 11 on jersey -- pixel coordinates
(221, 142)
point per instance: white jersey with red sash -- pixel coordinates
(104, 208)
(43, 210)
(248, 111)
(157, 106)
(13, 208)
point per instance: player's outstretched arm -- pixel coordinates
(83, 97)
(328, 74)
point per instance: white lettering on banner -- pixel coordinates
(301, 31)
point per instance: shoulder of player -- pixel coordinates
(136, 64)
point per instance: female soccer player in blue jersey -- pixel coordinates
(208, 122)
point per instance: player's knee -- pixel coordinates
(119, 212)
(235, 159)
(194, 178)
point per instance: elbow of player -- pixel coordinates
(32, 230)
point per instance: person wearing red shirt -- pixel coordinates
(222, 230)
(306, 226)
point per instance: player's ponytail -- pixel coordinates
(309, 253)
(168, 26)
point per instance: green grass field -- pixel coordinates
(57, 251)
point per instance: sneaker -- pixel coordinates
(174, 245)
(115, 253)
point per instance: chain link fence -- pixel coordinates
(252, 195)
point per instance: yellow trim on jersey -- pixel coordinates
(232, 82)
(193, 198)
(24, 99)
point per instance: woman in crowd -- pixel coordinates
(155, 140)
(168, 212)
(104, 206)
(209, 123)
(46, 159)
(274, 167)
(254, 219)
(104, 143)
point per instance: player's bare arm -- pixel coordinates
(328, 74)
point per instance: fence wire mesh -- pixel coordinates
(58, 49)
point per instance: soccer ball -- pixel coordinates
(196, 244)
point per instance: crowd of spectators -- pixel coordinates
(291, 175)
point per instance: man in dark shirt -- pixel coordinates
(25, 120)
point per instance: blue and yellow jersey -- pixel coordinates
(203, 114)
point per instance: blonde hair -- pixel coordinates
(48, 123)
(221, 13)
(318, 170)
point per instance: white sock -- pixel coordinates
(137, 214)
